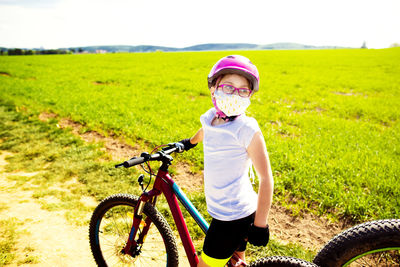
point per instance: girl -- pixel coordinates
(233, 143)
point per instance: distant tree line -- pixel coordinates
(150, 48)
(26, 52)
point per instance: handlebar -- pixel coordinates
(131, 162)
(158, 156)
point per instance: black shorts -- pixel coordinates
(223, 238)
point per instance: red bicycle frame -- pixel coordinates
(165, 185)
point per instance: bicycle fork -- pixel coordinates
(133, 247)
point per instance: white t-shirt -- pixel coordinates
(227, 186)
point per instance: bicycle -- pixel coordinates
(121, 232)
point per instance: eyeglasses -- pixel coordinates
(229, 89)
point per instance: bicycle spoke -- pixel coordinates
(384, 258)
(113, 235)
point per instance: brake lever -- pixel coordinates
(180, 147)
(169, 146)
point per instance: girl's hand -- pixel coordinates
(258, 236)
(187, 144)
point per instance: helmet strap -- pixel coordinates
(227, 118)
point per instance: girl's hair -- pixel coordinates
(217, 80)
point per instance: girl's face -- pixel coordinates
(235, 80)
(233, 98)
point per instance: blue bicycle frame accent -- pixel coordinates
(190, 208)
(132, 232)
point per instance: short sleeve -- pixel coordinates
(206, 118)
(247, 132)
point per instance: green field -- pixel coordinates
(330, 118)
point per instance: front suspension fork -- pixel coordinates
(133, 246)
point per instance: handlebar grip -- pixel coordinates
(147, 157)
(170, 150)
(133, 162)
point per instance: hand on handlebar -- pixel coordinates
(178, 145)
(186, 144)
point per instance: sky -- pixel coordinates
(180, 23)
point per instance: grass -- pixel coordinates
(67, 168)
(8, 236)
(330, 118)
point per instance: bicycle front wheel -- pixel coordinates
(109, 230)
(374, 243)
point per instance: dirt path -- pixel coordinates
(53, 241)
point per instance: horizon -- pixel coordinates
(150, 45)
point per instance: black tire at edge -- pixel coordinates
(358, 240)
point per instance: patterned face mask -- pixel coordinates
(231, 105)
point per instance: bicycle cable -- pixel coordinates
(150, 171)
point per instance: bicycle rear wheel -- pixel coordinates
(281, 261)
(109, 230)
(375, 243)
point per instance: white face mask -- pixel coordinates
(231, 105)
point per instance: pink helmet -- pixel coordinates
(238, 65)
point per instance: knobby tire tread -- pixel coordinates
(281, 261)
(358, 240)
(149, 210)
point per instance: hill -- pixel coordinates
(152, 48)
(201, 47)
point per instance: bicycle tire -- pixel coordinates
(363, 242)
(109, 230)
(281, 261)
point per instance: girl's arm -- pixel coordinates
(258, 154)
(198, 137)
(190, 143)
